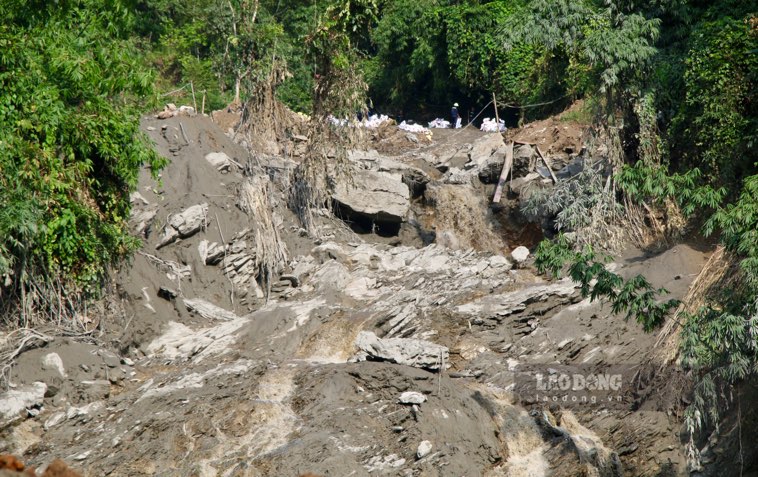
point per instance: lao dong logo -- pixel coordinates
(575, 385)
(579, 382)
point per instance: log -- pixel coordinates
(507, 168)
(547, 164)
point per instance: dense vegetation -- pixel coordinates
(70, 148)
(673, 86)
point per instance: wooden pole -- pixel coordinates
(203, 112)
(497, 117)
(547, 164)
(507, 166)
(194, 103)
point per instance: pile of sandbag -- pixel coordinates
(375, 120)
(338, 122)
(490, 125)
(414, 128)
(439, 123)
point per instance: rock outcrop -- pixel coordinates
(376, 196)
(409, 352)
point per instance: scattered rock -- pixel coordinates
(458, 177)
(411, 397)
(135, 198)
(219, 160)
(241, 267)
(574, 167)
(483, 148)
(184, 224)
(93, 390)
(140, 220)
(519, 185)
(208, 310)
(211, 253)
(626, 450)
(520, 254)
(54, 420)
(294, 281)
(424, 448)
(15, 402)
(54, 361)
(167, 293)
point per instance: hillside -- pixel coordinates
(302, 268)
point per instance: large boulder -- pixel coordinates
(524, 156)
(15, 403)
(415, 178)
(491, 168)
(410, 352)
(524, 159)
(377, 196)
(484, 147)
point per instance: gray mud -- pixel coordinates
(276, 386)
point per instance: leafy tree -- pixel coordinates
(451, 49)
(70, 148)
(616, 43)
(715, 126)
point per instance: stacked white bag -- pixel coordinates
(414, 128)
(490, 125)
(439, 123)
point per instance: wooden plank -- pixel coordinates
(547, 164)
(507, 166)
(497, 117)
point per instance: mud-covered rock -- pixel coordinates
(410, 352)
(482, 149)
(220, 160)
(15, 403)
(374, 195)
(184, 224)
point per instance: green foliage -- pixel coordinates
(636, 296)
(614, 44)
(715, 126)
(409, 29)
(719, 343)
(582, 205)
(738, 223)
(643, 182)
(453, 50)
(70, 148)
(721, 348)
